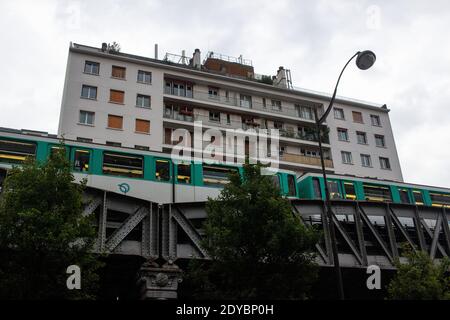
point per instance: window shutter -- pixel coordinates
(115, 122)
(118, 72)
(142, 125)
(116, 96)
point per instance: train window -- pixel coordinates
(418, 197)
(184, 173)
(349, 189)
(404, 197)
(276, 181)
(55, 149)
(291, 185)
(333, 190)
(440, 199)
(377, 193)
(218, 176)
(81, 160)
(316, 187)
(15, 151)
(122, 165)
(162, 172)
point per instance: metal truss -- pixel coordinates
(367, 232)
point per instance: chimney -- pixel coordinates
(280, 80)
(156, 51)
(104, 46)
(196, 59)
(183, 55)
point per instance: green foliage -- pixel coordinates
(259, 249)
(420, 278)
(42, 232)
(266, 79)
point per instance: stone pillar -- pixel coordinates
(159, 282)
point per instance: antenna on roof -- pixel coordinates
(156, 51)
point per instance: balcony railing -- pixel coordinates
(301, 136)
(235, 101)
(298, 158)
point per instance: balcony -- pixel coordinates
(302, 136)
(298, 158)
(240, 101)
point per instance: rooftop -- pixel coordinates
(235, 69)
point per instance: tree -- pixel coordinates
(43, 232)
(420, 278)
(258, 248)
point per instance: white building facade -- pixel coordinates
(136, 102)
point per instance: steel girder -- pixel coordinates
(368, 232)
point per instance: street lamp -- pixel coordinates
(365, 59)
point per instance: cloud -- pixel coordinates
(312, 38)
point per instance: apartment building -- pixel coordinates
(130, 101)
(363, 143)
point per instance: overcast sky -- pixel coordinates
(313, 39)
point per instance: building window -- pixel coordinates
(342, 134)
(143, 101)
(142, 126)
(81, 139)
(276, 105)
(264, 103)
(214, 116)
(213, 93)
(113, 144)
(86, 117)
(278, 125)
(116, 96)
(144, 77)
(379, 141)
(310, 153)
(115, 122)
(346, 157)
(177, 88)
(357, 117)
(339, 113)
(91, 67)
(81, 160)
(304, 112)
(118, 72)
(365, 160)
(375, 120)
(143, 148)
(361, 137)
(89, 92)
(228, 119)
(384, 163)
(245, 101)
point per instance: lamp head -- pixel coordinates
(365, 59)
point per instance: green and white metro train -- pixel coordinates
(154, 176)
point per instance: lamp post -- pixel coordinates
(365, 59)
